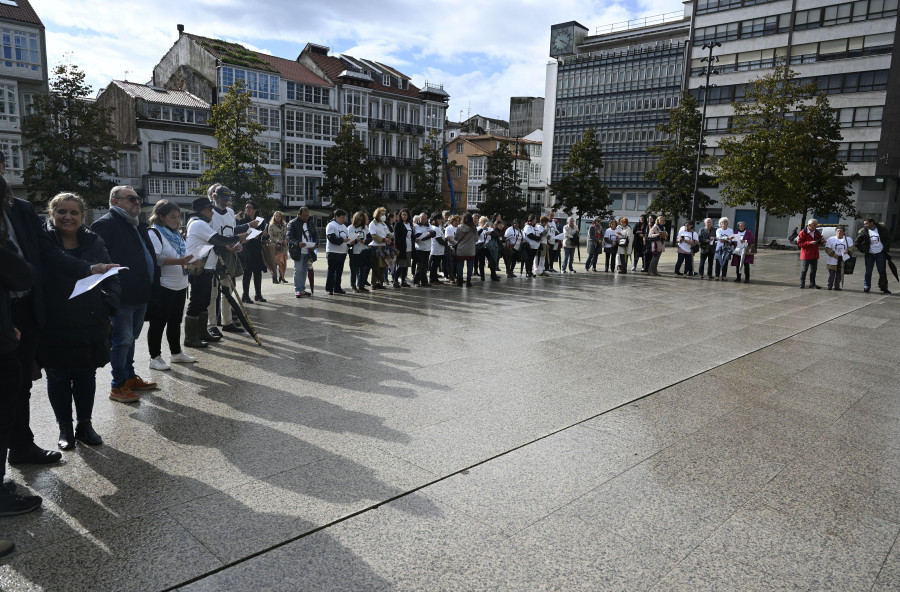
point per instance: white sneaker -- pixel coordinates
(158, 363)
(182, 358)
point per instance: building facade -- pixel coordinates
(526, 114)
(23, 75)
(297, 108)
(164, 134)
(393, 117)
(478, 125)
(847, 48)
(467, 156)
(622, 81)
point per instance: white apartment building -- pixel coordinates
(847, 48)
(164, 134)
(23, 75)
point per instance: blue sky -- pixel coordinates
(483, 53)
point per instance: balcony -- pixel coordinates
(392, 161)
(394, 126)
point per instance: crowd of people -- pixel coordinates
(167, 277)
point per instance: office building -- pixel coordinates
(526, 114)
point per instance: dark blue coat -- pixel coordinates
(124, 248)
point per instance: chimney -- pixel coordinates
(180, 30)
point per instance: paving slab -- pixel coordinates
(585, 431)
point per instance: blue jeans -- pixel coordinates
(301, 265)
(688, 260)
(126, 327)
(568, 258)
(591, 260)
(877, 261)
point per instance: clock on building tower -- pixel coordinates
(564, 36)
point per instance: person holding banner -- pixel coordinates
(170, 293)
(76, 339)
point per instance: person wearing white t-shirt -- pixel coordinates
(438, 247)
(836, 247)
(381, 241)
(532, 240)
(336, 247)
(513, 237)
(223, 222)
(359, 252)
(302, 242)
(686, 239)
(724, 248)
(199, 234)
(422, 235)
(875, 241)
(450, 251)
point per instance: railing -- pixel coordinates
(637, 23)
(392, 161)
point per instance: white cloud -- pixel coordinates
(483, 52)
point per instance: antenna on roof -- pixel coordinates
(126, 75)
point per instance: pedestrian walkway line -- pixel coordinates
(466, 469)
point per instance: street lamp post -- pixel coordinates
(710, 60)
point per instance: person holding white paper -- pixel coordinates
(169, 296)
(251, 256)
(76, 340)
(839, 248)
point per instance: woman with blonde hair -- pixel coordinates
(625, 243)
(381, 240)
(278, 242)
(76, 338)
(657, 237)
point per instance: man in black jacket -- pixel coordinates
(128, 245)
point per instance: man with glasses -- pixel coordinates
(128, 245)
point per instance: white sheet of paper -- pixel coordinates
(201, 252)
(92, 281)
(254, 232)
(560, 236)
(845, 256)
(260, 219)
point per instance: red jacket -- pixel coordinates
(809, 244)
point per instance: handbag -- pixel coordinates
(849, 266)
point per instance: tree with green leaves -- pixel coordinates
(426, 174)
(818, 177)
(70, 141)
(235, 161)
(677, 166)
(783, 151)
(502, 185)
(582, 190)
(351, 179)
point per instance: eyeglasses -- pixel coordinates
(133, 199)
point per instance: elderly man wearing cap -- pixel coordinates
(129, 245)
(200, 232)
(223, 223)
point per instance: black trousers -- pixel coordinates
(257, 282)
(421, 260)
(434, 266)
(529, 259)
(19, 434)
(480, 257)
(166, 313)
(201, 292)
(11, 371)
